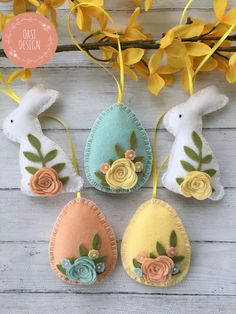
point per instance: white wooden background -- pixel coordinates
(27, 284)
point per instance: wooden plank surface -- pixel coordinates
(27, 284)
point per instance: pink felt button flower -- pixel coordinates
(171, 251)
(130, 154)
(104, 167)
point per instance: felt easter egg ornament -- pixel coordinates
(193, 170)
(118, 154)
(45, 168)
(155, 249)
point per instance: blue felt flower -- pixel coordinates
(83, 270)
(100, 267)
(175, 270)
(138, 272)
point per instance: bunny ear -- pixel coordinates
(38, 99)
(208, 100)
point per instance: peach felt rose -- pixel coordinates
(196, 184)
(121, 174)
(104, 167)
(45, 182)
(157, 270)
(130, 154)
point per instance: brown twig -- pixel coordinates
(144, 44)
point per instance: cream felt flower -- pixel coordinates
(122, 174)
(196, 184)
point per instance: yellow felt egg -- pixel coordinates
(155, 248)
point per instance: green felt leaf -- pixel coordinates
(51, 155)
(64, 180)
(177, 259)
(83, 251)
(138, 158)
(119, 151)
(34, 141)
(61, 269)
(173, 238)
(160, 249)
(191, 153)
(31, 170)
(187, 166)
(179, 180)
(111, 161)
(211, 172)
(100, 259)
(151, 255)
(197, 140)
(100, 175)
(207, 159)
(32, 157)
(133, 140)
(72, 260)
(104, 183)
(136, 263)
(96, 242)
(59, 167)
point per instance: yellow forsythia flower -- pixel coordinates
(22, 74)
(48, 8)
(196, 184)
(20, 6)
(4, 19)
(228, 18)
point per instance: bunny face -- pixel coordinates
(18, 125)
(181, 118)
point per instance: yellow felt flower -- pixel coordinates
(93, 254)
(196, 184)
(159, 76)
(122, 175)
(20, 6)
(227, 18)
(47, 7)
(4, 19)
(22, 74)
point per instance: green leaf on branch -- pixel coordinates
(31, 170)
(96, 242)
(59, 167)
(34, 141)
(191, 153)
(187, 166)
(160, 249)
(210, 172)
(173, 239)
(119, 151)
(32, 157)
(197, 140)
(133, 140)
(207, 159)
(51, 155)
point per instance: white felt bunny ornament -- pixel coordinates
(193, 170)
(45, 168)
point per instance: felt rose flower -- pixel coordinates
(141, 257)
(83, 270)
(45, 182)
(121, 174)
(157, 270)
(130, 154)
(138, 166)
(171, 251)
(196, 184)
(105, 167)
(93, 254)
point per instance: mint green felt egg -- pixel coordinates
(118, 154)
